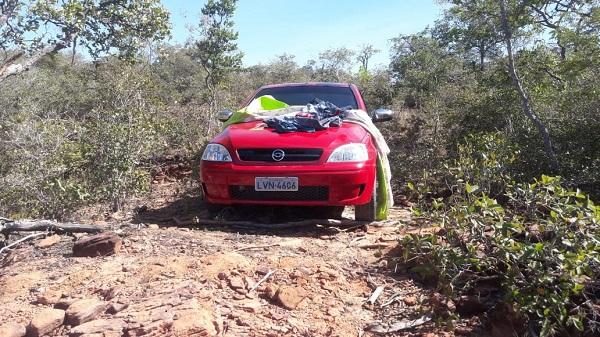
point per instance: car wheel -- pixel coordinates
(368, 211)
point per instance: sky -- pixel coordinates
(304, 28)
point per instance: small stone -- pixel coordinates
(48, 241)
(153, 226)
(99, 326)
(45, 322)
(222, 276)
(64, 303)
(12, 330)
(84, 310)
(410, 301)
(305, 270)
(269, 292)
(116, 307)
(236, 283)
(252, 306)
(238, 297)
(290, 297)
(49, 297)
(248, 282)
(333, 312)
(102, 244)
(262, 270)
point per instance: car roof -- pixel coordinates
(326, 84)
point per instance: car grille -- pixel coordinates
(291, 155)
(304, 193)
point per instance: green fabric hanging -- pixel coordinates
(382, 194)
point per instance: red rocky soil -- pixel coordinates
(169, 280)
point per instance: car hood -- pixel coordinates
(257, 135)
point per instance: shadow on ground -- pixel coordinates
(189, 210)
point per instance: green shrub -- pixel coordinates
(539, 247)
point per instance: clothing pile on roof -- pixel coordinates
(319, 115)
(315, 116)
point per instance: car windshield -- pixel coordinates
(300, 95)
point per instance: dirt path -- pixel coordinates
(202, 281)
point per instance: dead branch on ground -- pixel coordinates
(7, 227)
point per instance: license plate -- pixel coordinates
(276, 184)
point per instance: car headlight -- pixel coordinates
(216, 152)
(349, 152)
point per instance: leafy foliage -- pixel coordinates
(538, 247)
(36, 28)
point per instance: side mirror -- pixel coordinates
(224, 115)
(382, 115)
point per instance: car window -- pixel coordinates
(301, 95)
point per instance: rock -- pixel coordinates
(236, 283)
(48, 241)
(85, 310)
(116, 307)
(252, 306)
(12, 330)
(248, 282)
(99, 326)
(268, 292)
(195, 322)
(102, 244)
(410, 301)
(153, 226)
(45, 322)
(64, 303)
(49, 297)
(169, 315)
(290, 297)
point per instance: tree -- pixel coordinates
(419, 64)
(507, 30)
(216, 50)
(557, 15)
(465, 31)
(333, 62)
(364, 55)
(30, 30)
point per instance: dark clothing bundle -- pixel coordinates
(318, 115)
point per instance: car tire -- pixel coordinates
(368, 211)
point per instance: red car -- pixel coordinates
(332, 168)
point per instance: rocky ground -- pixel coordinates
(169, 278)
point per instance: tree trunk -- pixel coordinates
(481, 56)
(525, 100)
(9, 68)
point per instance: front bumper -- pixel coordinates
(326, 184)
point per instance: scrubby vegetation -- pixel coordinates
(496, 135)
(533, 246)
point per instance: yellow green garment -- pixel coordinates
(251, 112)
(258, 108)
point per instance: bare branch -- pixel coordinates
(12, 69)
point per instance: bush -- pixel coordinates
(538, 249)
